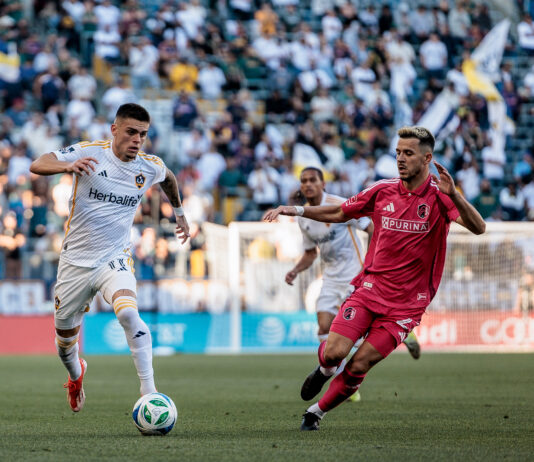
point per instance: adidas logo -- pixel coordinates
(390, 207)
(103, 173)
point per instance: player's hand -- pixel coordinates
(182, 229)
(290, 277)
(272, 215)
(445, 182)
(81, 166)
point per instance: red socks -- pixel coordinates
(341, 388)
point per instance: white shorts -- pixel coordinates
(76, 286)
(332, 296)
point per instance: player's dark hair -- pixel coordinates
(425, 137)
(133, 111)
(297, 198)
(315, 169)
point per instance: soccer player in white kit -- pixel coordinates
(341, 252)
(110, 178)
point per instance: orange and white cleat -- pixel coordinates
(75, 393)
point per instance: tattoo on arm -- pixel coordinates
(170, 187)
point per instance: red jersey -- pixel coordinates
(405, 260)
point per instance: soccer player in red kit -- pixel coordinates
(402, 270)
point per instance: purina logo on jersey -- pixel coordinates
(140, 180)
(349, 313)
(405, 226)
(423, 210)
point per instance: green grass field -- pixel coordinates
(248, 408)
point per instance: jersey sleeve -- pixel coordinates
(307, 243)
(450, 209)
(69, 153)
(161, 172)
(361, 205)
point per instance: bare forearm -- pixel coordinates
(170, 187)
(470, 218)
(48, 164)
(305, 261)
(325, 213)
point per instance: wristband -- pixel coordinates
(178, 211)
(299, 210)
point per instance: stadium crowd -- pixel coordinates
(259, 89)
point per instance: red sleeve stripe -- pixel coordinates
(381, 182)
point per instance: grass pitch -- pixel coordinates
(248, 408)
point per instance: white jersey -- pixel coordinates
(341, 250)
(103, 204)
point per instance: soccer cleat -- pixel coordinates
(75, 393)
(413, 346)
(355, 397)
(313, 384)
(310, 422)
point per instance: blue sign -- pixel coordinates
(279, 332)
(204, 333)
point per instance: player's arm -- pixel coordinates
(323, 213)
(304, 263)
(469, 217)
(369, 230)
(170, 187)
(49, 164)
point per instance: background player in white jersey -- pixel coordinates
(341, 252)
(110, 180)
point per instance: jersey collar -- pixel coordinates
(420, 191)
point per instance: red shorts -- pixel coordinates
(383, 327)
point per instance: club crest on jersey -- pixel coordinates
(349, 313)
(57, 302)
(140, 180)
(423, 210)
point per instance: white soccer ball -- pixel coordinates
(154, 414)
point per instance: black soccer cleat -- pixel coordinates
(310, 422)
(313, 384)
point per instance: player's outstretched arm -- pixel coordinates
(469, 217)
(304, 263)
(170, 187)
(323, 213)
(49, 164)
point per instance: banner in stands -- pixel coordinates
(27, 334)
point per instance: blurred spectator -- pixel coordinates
(107, 40)
(487, 202)
(459, 22)
(183, 76)
(184, 111)
(421, 23)
(108, 16)
(210, 165)
(525, 32)
(433, 54)
(49, 88)
(512, 202)
(143, 61)
(493, 162)
(116, 96)
(524, 167)
(82, 85)
(79, 113)
(469, 179)
(264, 181)
(19, 167)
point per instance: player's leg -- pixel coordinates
(117, 284)
(324, 320)
(138, 336)
(349, 381)
(72, 295)
(412, 344)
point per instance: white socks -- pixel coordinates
(67, 349)
(315, 409)
(139, 340)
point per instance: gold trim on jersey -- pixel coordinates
(102, 144)
(67, 228)
(355, 245)
(156, 160)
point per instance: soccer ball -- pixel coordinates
(154, 414)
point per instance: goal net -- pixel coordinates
(485, 300)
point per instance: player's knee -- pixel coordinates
(334, 354)
(125, 309)
(359, 366)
